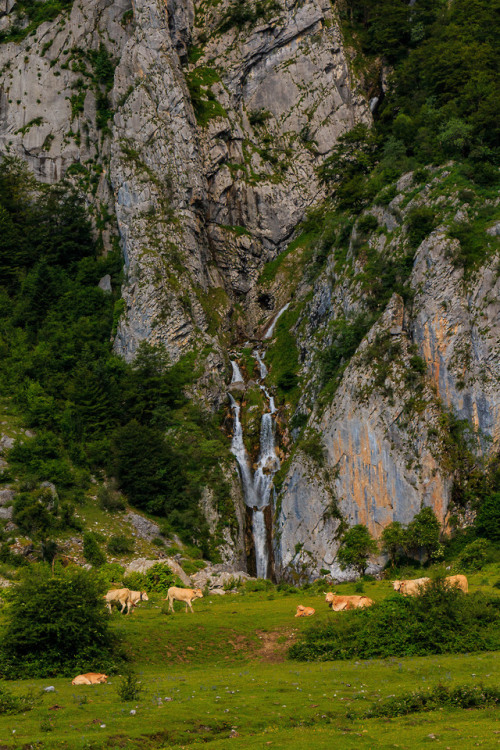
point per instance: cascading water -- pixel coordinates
(257, 489)
(271, 328)
(237, 376)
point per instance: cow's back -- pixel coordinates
(460, 581)
(117, 595)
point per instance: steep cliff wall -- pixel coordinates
(381, 433)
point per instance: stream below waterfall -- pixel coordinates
(258, 485)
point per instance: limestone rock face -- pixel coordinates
(381, 440)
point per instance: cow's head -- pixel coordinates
(396, 585)
(102, 678)
(198, 594)
(144, 597)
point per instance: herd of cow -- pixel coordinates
(408, 588)
(128, 599)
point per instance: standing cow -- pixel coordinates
(125, 598)
(183, 595)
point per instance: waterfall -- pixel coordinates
(260, 362)
(240, 452)
(260, 540)
(270, 330)
(257, 489)
(237, 376)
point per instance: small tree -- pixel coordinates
(91, 550)
(56, 624)
(356, 546)
(423, 532)
(393, 539)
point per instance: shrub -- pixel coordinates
(439, 620)
(129, 688)
(462, 696)
(475, 555)
(420, 224)
(488, 517)
(159, 578)
(120, 545)
(16, 704)
(91, 550)
(56, 625)
(110, 500)
(261, 584)
(367, 224)
(134, 581)
(112, 573)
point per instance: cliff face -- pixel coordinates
(381, 433)
(196, 135)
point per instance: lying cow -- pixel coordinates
(305, 611)
(410, 587)
(90, 678)
(460, 581)
(183, 595)
(340, 603)
(126, 598)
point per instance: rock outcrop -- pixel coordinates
(382, 433)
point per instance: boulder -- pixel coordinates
(145, 529)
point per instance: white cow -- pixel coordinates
(183, 595)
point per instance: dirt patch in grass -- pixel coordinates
(274, 645)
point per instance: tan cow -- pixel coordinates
(90, 678)
(183, 595)
(460, 581)
(410, 587)
(305, 611)
(126, 598)
(340, 603)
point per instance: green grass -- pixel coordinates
(223, 667)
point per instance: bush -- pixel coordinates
(112, 573)
(16, 704)
(439, 620)
(56, 625)
(120, 545)
(488, 517)
(159, 578)
(261, 584)
(420, 224)
(462, 696)
(129, 688)
(475, 555)
(91, 550)
(134, 581)
(110, 500)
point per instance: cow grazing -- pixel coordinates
(125, 598)
(410, 587)
(460, 581)
(183, 595)
(305, 611)
(340, 603)
(90, 678)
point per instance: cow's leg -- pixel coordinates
(171, 603)
(108, 605)
(190, 606)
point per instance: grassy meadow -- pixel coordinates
(221, 676)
